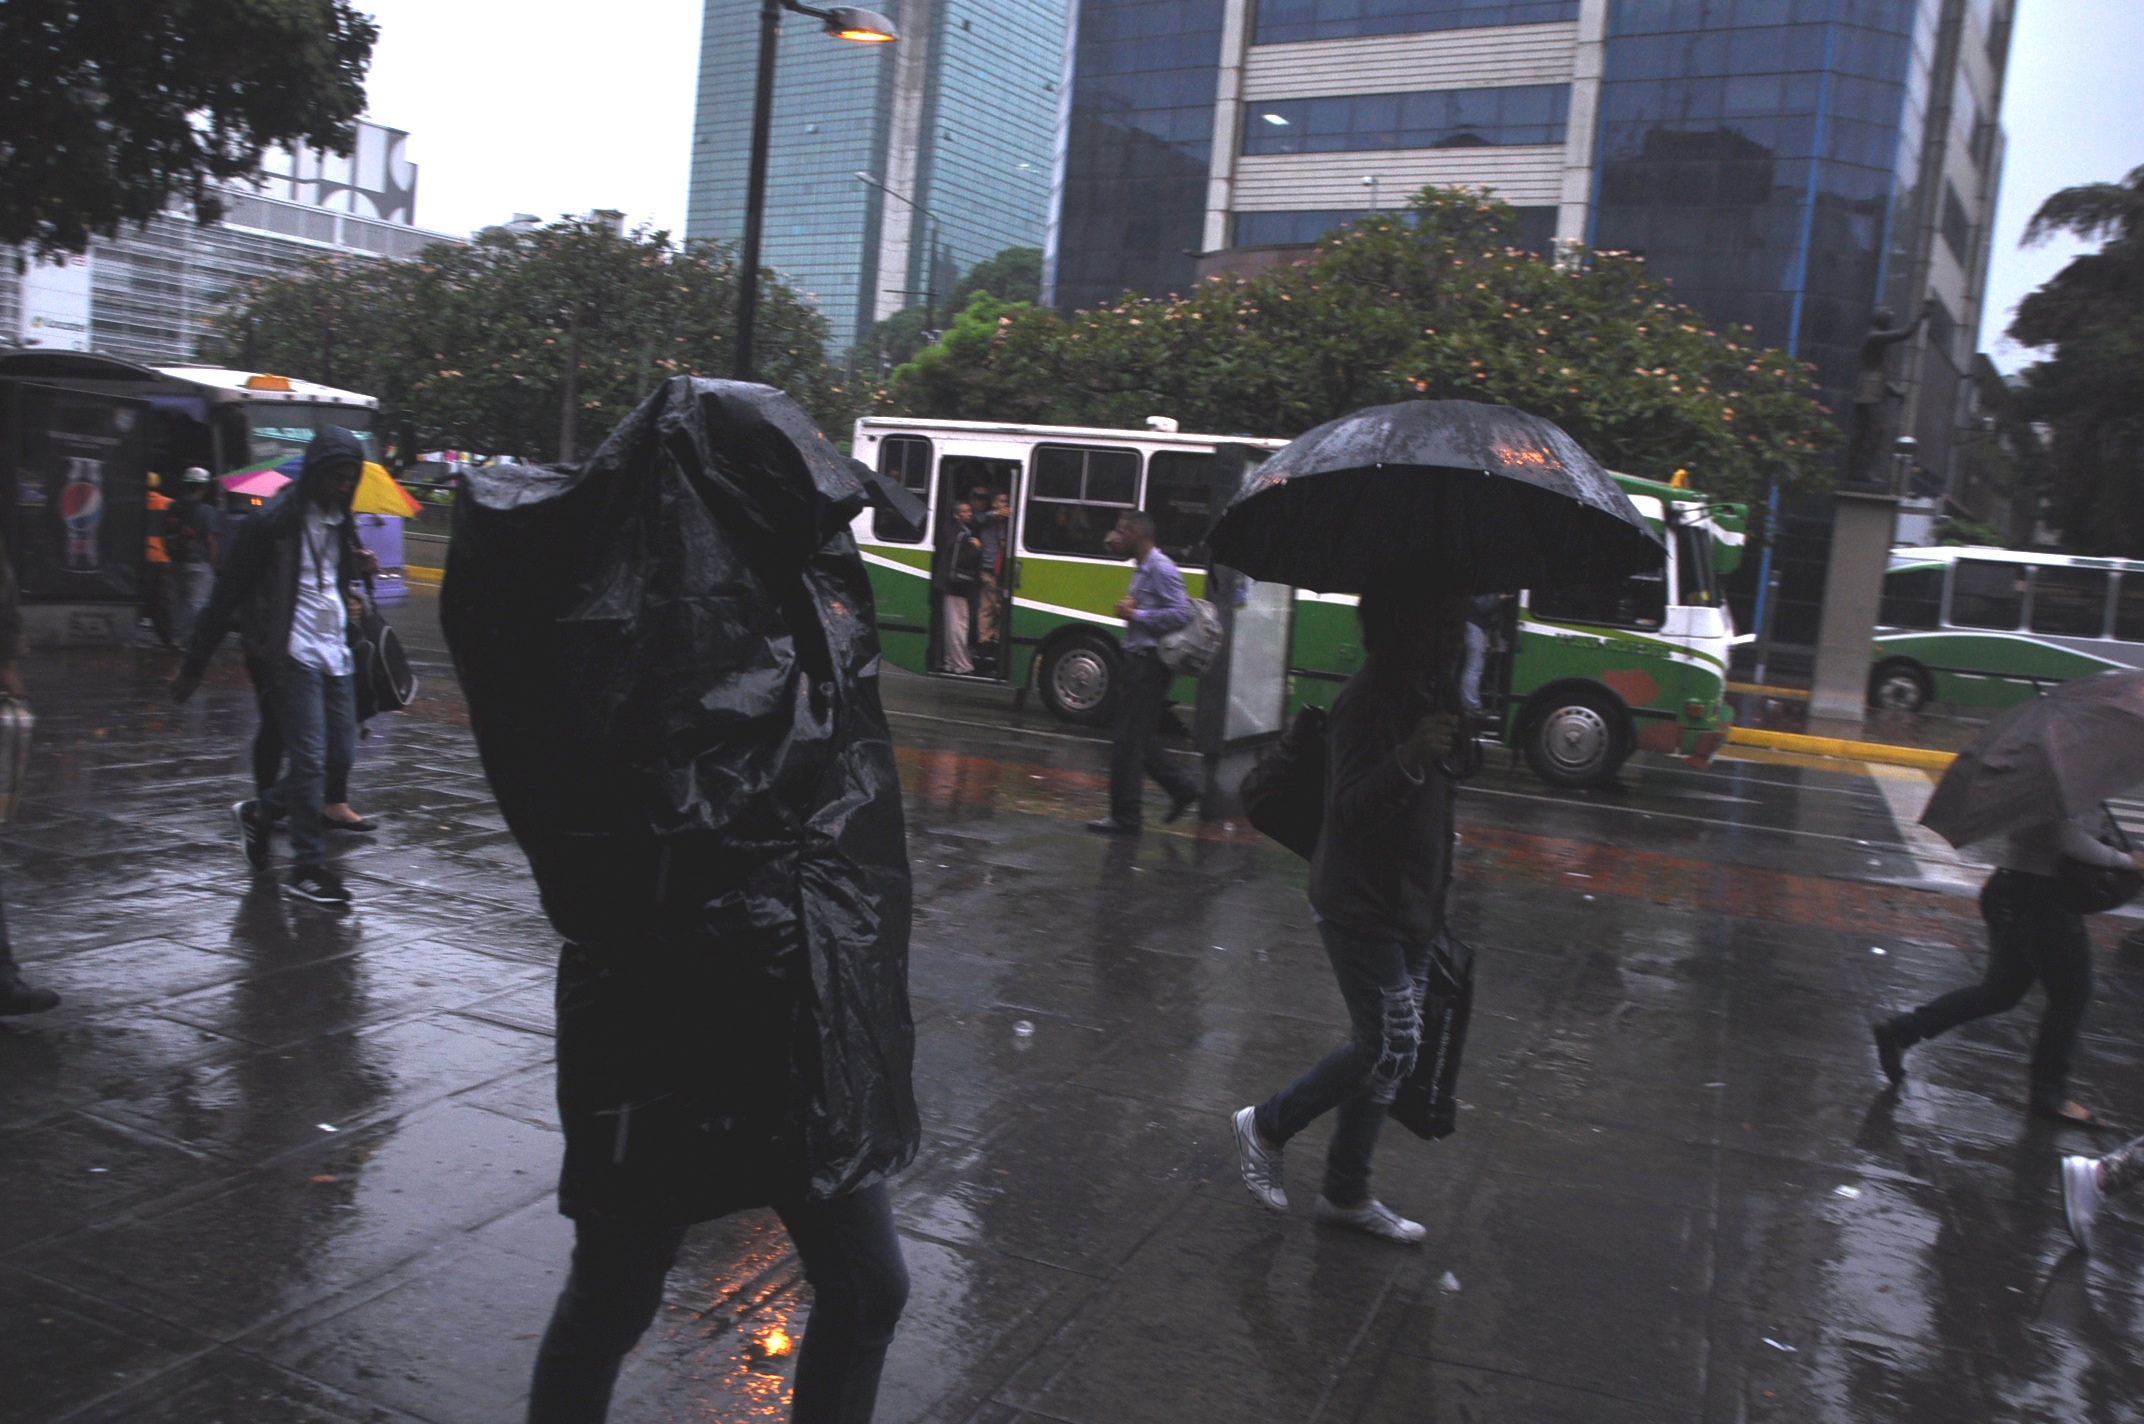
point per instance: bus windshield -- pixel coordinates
(281, 429)
(1697, 583)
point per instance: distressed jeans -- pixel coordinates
(1380, 981)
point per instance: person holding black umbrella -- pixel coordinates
(2036, 772)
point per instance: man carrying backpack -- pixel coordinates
(1155, 604)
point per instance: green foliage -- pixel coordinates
(2090, 390)
(1968, 532)
(894, 341)
(475, 343)
(112, 108)
(1434, 304)
(1014, 275)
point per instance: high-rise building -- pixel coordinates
(953, 126)
(147, 293)
(1788, 164)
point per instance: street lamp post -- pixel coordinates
(846, 22)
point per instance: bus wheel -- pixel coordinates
(1900, 685)
(1079, 680)
(1575, 739)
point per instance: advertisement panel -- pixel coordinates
(75, 491)
(55, 303)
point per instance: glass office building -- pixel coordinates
(954, 124)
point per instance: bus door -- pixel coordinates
(972, 565)
(1494, 625)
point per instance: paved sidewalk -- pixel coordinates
(272, 1164)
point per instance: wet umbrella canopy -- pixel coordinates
(672, 672)
(1487, 498)
(2053, 758)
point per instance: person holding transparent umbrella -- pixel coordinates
(2036, 776)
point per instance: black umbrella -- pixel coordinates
(1485, 497)
(2053, 758)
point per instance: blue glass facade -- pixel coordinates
(1138, 139)
(1537, 226)
(1759, 154)
(1283, 21)
(1428, 118)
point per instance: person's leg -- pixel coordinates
(956, 634)
(614, 1290)
(1385, 1027)
(339, 694)
(852, 1257)
(2008, 976)
(301, 716)
(17, 997)
(1137, 707)
(2061, 955)
(989, 610)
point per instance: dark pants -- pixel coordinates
(1138, 752)
(316, 716)
(7, 947)
(1379, 979)
(851, 1256)
(2030, 937)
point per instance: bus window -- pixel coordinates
(1697, 585)
(2129, 608)
(1075, 498)
(1179, 494)
(1912, 598)
(1985, 594)
(281, 429)
(2069, 603)
(906, 460)
(1640, 601)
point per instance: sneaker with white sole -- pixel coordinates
(252, 820)
(1373, 1218)
(1261, 1164)
(318, 884)
(2082, 1197)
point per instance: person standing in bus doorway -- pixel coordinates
(1156, 604)
(961, 566)
(1378, 883)
(193, 537)
(996, 536)
(291, 578)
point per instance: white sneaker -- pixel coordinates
(1372, 1218)
(2081, 1197)
(1261, 1164)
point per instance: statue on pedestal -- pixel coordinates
(1873, 394)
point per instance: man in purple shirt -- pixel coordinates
(1156, 604)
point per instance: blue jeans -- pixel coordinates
(191, 585)
(1380, 980)
(317, 717)
(851, 1256)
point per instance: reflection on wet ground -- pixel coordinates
(270, 1164)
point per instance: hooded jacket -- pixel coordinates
(257, 585)
(671, 665)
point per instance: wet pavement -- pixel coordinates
(274, 1164)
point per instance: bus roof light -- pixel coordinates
(267, 383)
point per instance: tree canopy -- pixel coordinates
(1014, 275)
(113, 108)
(532, 343)
(2090, 389)
(1433, 303)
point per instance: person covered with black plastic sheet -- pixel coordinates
(671, 665)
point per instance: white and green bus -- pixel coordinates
(1583, 677)
(1979, 627)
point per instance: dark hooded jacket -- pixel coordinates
(672, 673)
(257, 585)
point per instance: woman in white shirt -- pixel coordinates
(2031, 936)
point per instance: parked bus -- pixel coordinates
(1581, 677)
(1990, 627)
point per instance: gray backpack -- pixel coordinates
(1189, 650)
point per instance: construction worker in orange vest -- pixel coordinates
(156, 563)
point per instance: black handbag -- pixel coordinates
(381, 675)
(1284, 795)
(1426, 1103)
(2086, 889)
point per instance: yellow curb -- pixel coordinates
(417, 573)
(1792, 694)
(1840, 749)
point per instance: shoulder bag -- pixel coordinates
(2086, 889)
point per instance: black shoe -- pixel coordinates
(252, 832)
(359, 827)
(319, 884)
(1178, 805)
(1111, 826)
(17, 997)
(1891, 1046)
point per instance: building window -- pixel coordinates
(1076, 496)
(1957, 230)
(1302, 227)
(1285, 21)
(1442, 118)
(906, 460)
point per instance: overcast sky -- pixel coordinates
(558, 106)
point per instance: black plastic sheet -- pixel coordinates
(672, 672)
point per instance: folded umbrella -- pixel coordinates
(1484, 498)
(2053, 758)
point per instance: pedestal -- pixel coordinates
(1861, 532)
